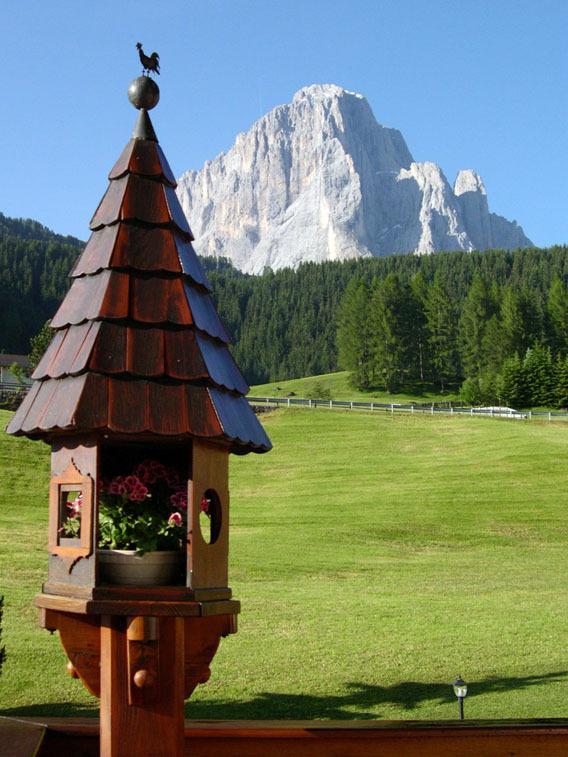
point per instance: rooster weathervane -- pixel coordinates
(149, 62)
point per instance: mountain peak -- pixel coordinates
(324, 91)
(468, 180)
(320, 179)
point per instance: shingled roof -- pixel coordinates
(138, 345)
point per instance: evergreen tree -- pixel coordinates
(478, 308)
(517, 315)
(561, 382)
(493, 346)
(394, 353)
(558, 314)
(538, 371)
(419, 289)
(353, 334)
(511, 385)
(442, 336)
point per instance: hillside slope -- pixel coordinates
(376, 559)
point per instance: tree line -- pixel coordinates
(507, 340)
(34, 268)
(284, 324)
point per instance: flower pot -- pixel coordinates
(123, 567)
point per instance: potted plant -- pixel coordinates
(142, 525)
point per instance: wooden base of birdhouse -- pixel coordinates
(142, 666)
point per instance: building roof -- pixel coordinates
(139, 348)
(6, 360)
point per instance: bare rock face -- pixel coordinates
(319, 179)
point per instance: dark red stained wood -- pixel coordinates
(142, 157)
(53, 404)
(145, 352)
(220, 365)
(146, 249)
(18, 419)
(109, 207)
(43, 367)
(176, 211)
(190, 263)
(123, 162)
(83, 301)
(138, 324)
(177, 306)
(61, 408)
(98, 252)
(113, 348)
(128, 246)
(204, 313)
(93, 401)
(145, 200)
(128, 409)
(168, 411)
(155, 727)
(93, 407)
(41, 404)
(109, 353)
(135, 198)
(68, 352)
(203, 418)
(167, 171)
(238, 421)
(182, 357)
(91, 330)
(159, 300)
(115, 302)
(102, 296)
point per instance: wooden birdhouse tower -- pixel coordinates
(142, 403)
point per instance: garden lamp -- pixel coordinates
(460, 690)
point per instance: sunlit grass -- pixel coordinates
(376, 558)
(339, 388)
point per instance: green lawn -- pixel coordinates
(376, 557)
(340, 389)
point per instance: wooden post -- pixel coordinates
(154, 724)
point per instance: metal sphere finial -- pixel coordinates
(144, 93)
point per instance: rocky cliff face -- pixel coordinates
(320, 179)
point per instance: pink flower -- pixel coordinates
(139, 493)
(179, 500)
(75, 506)
(175, 519)
(204, 505)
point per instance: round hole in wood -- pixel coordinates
(210, 516)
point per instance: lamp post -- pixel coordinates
(460, 690)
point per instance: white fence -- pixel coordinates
(401, 408)
(385, 407)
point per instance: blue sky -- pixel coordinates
(480, 84)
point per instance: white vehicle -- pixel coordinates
(501, 412)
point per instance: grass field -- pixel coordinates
(340, 389)
(376, 559)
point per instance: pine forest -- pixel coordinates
(494, 322)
